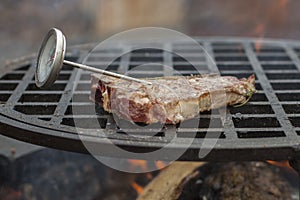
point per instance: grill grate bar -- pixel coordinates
(211, 65)
(289, 91)
(230, 131)
(245, 116)
(274, 102)
(266, 102)
(56, 82)
(19, 90)
(284, 71)
(167, 60)
(158, 73)
(279, 62)
(270, 129)
(33, 63)
(293, 55)
(55, 103)
(44, 92)
(65, 98)
(10, 81)
(175, 63)
(125, 60)
(285, 81)
(235, 72)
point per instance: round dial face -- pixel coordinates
(46, 59)
(50, 58)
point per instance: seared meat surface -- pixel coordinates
(171, 99)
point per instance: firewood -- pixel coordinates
(169, 183)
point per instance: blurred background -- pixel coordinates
(24, 23)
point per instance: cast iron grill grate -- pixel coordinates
(268, 127)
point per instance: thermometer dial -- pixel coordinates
(50, 58)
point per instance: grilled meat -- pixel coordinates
(171, 99)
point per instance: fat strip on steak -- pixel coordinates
(168, 100)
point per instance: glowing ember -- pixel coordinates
(139, 189)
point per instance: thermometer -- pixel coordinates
(51, 58)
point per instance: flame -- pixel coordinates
(149, 176)
(284, 164)
(160, 164)
(142, 164)
(260, 31)
(278, 11)
(282, 4)
(275, 16)
(139, 189)
(258, 44)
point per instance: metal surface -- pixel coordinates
(51, 58)
(268, 127)
(108, 73)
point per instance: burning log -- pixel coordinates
(168, 184)
(226, 181)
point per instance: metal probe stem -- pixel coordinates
(101, 71)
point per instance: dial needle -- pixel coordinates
(50, 60)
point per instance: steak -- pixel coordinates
(170, 99)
